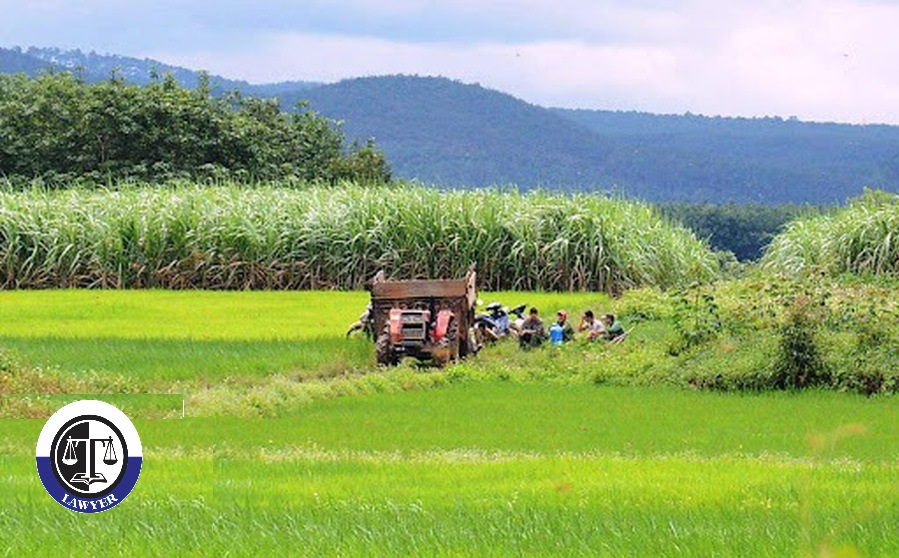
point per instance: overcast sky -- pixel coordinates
(815, 59)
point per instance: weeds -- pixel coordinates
(696, 319)
(799, 363)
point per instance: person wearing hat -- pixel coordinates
(567, 332)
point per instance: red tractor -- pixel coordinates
(425, 319)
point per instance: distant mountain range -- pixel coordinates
(448, 133)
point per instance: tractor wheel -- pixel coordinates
(384, 349)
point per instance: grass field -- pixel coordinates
(485, 465)
(496, 469)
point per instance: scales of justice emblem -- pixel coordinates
(89, 456)
(90, 449)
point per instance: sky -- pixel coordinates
(817, 60)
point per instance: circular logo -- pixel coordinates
(89, 456)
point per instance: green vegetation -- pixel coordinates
(228, 353)
(263, 354)
(745, 230)
(859, 239)
(546, 452)
(139, 341)
(449, 133)
(754, 430)
(292, 440)
(485, 468)
(59, 129)
(235, 237)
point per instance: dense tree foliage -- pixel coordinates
(58, 126)
(743, 229)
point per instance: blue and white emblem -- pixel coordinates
(89, 456)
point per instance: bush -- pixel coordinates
(799, 363)
(696, 319)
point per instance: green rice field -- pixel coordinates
(416, 461)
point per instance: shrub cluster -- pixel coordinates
(695, 318)
(858, 239)
(779, 333)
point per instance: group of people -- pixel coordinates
(532, 332)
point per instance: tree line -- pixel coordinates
(742, 229)
(61, 129)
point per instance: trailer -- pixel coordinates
(425, 319)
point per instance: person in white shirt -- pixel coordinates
(591, 325)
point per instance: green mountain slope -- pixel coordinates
(449, 133)
(758, 159)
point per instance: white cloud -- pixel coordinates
(816, 59)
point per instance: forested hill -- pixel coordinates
(450, 133)
(446, 132)
(771, 159)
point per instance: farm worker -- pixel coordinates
(562, 322)
(591, 325)
(614, 329)
(532, 333)
(366, 322)
(484, 335)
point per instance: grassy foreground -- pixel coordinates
(495, 469)
(516, 453)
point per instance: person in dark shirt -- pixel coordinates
(532, 332)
